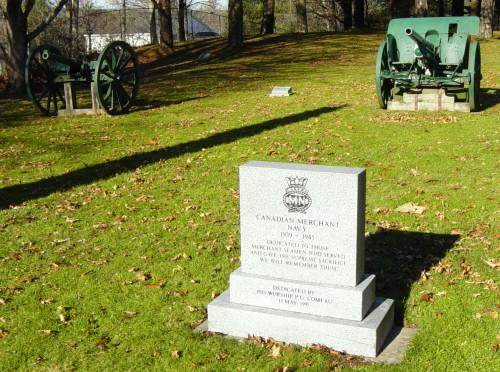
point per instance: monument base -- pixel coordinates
(337, 301)
(364, 338)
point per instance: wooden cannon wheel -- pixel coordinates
(46, 94)
(383, 85)
(474, 67)
(116, 77)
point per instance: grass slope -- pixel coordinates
(122, 228)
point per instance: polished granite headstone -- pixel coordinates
(302, 261)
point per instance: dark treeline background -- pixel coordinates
(25, 23)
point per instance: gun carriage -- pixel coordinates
(434, 53)
(114, 76)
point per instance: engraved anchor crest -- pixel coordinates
(296, 197)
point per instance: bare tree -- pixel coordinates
(152, 25)
(268, 19)
(359, 13)
(346, 6)
(475, 7)
(88, 21)
(421, 8)
(181, 15)
(457, 8)
(16, 14)
(166, 31)
(301, 10)
(487, 11)
(235, 21)
(441, 5)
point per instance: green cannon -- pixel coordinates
(429, 53)
(114, 76)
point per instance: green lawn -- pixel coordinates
(122, 229)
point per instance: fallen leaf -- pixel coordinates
(156, 285)
(47, 332)
(426, 297)
(222, 356)
(493, 314)
(176, 354)
(410, 208)
(130, 313)
(143, 276)
(275, 351)
(494, 264)
(382, 210)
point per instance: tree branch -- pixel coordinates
(2, 9)
(29, 7)
(47, 21)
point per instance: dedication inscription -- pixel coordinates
(301, 278)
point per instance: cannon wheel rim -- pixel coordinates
(383, 86)
(38, 74)
(116, 78)
(474, 67)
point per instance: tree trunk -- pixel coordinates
(166, 32)
(393, 8)
(330, 15)
(180, 20)
(421, 8)
(457, 8)
(268, 18)
(16, 31)
(441, 6)
(347, 13)
(487, 11)
(152, 26)
(301, 10)
(359, 13)
(69, 10)
(235, 23)
(475, 8)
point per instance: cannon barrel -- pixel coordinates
(427, 48)
(56, 57)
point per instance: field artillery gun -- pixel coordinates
(113, 79)
(429, 63)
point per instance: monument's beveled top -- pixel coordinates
(303, 167)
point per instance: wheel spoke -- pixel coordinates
(49, 98)
(42, 68)
(63, 100)
(44, 92)
(122, 51)
(123, 93)
(116, 91)
(55, 100)
(126, 61)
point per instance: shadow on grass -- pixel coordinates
(149, 104)
(17, 194)
(489, 97)
(398, 258)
